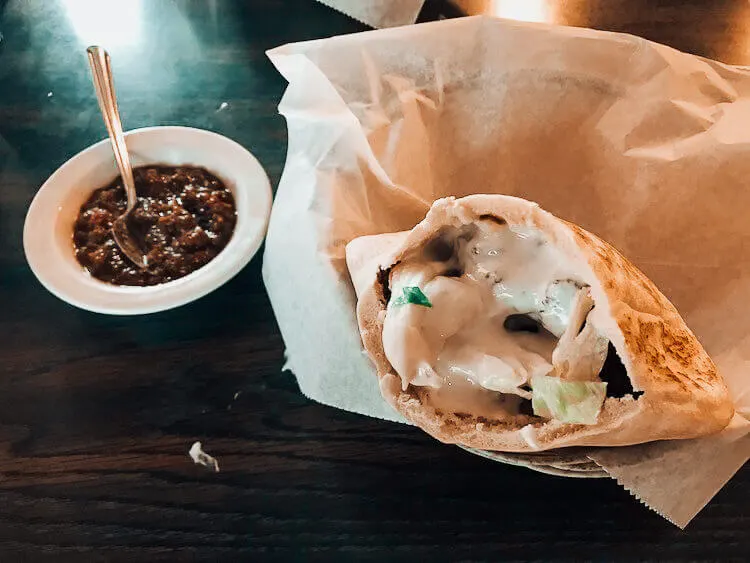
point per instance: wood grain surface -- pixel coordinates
(97, 413)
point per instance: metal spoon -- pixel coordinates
(101, 71)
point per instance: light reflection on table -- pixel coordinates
(719, 29)
(111, 21)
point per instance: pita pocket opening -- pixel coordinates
(495, 325)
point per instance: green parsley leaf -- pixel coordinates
(411, 294)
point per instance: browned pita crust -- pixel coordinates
(683, 397)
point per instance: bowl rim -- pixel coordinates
(253, 217)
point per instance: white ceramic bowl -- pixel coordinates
(48, 231)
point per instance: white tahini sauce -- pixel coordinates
(459, 346)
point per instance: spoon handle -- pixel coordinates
(101, 70)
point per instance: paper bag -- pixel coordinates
(643, 145)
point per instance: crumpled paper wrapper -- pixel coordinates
(378, 13)
(643, 145)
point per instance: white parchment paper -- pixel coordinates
(643, 145)
(378, 13)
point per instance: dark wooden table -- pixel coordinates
(97, 413)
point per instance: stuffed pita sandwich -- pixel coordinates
(495, 325)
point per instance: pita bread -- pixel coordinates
(683, 396)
